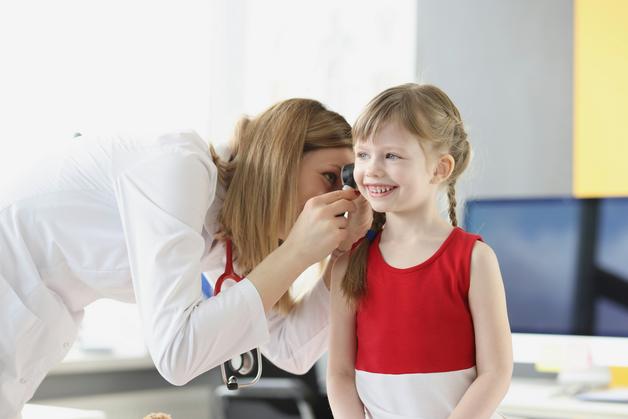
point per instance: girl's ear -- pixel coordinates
(444, 168)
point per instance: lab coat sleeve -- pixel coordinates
(163, 201)
(299, 339)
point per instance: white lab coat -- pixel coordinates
(132, 219)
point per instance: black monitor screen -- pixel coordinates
(537, 242)
(611, 317)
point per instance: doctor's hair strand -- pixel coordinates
(226, 168)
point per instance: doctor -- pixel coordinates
(138, 220)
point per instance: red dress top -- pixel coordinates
(417, 320)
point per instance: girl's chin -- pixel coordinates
(379, 207)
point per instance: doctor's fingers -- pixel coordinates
(362, 207)
(361, 201)
(339, 235)
(339, 207)
(333, 196)
(340, 222)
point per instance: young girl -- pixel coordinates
(419, 323)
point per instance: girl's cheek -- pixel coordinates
(358, 175)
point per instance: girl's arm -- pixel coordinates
(341, 390)
(493, 342)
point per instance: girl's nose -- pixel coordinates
(373, 168)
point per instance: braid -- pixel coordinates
(379, 219)
(451, 194)
(354, 282)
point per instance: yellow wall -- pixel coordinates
(600, 98)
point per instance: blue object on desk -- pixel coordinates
(611, 395)
(208, 291)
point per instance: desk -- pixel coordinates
(77, 362)
(122, 387)
(37, 411)
(540, 398)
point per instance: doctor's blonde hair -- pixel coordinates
(262, 174)
(428, 113)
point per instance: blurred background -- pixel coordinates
(541, 85)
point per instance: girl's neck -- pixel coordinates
(413, 226)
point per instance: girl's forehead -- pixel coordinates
(389, 135)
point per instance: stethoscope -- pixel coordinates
(244, 363)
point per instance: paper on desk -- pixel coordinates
(558, 357)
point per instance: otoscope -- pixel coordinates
(347, 176)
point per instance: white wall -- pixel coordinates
(340, 52)
(92, 66)
(508, 67)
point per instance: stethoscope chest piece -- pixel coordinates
(240, 366)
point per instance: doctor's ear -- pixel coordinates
(444, 168)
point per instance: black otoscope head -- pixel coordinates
(347, 176)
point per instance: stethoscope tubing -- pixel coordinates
(232, 381)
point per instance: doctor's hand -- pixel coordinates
(359, 221)
(318, 229)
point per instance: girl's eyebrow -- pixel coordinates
(386, 148)
(394, 148)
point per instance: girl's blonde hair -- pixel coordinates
(426, 112)
(262, 174)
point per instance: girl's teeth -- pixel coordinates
(380, 190)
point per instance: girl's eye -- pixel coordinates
(332, 178)
(392, 156)
(361, 155)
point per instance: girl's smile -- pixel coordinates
(379, 190)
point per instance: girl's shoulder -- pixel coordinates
(478, 246)
(467, 235)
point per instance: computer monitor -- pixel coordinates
(612, 258)
(564, 263)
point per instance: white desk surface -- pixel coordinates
(37, 411)
(81, 363)
(539, 398)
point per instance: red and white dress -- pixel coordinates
(415, 339)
